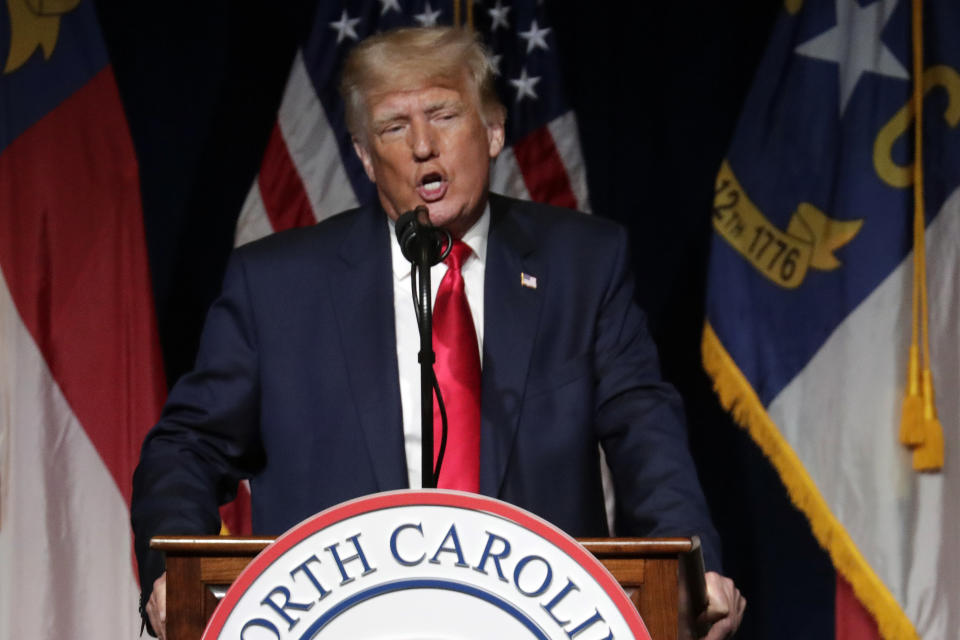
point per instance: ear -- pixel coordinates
(365, 159)
(495, 138)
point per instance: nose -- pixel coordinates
(422, 142)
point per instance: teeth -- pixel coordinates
(431, 186)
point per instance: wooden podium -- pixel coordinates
(664, 577)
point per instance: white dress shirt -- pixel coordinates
(408, 335)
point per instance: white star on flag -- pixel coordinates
(498, 15)
(535, 37)
(387, 5)
(428, 18)
(855, 45)
(525, 84)
(345, 27)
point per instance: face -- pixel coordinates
(430, 147)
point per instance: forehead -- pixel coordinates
(398, 102)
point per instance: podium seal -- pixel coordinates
(425, 565)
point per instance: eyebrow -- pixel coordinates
(443, 104)
(400, 115)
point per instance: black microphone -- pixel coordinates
(420, 242)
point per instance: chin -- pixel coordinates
(443, 217)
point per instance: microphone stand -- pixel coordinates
(420, 244)
(426, 358)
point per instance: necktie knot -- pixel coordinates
(458, 254)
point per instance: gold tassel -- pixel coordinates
(911, 420)
(929, 455)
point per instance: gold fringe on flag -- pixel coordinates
(739, 398)
(919, 426)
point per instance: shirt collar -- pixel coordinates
(475, 238)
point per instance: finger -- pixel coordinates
(725, 607)
(717, 609)
(720, 631)
(154, 617)
(712, 616)
(741, 606)
(157, 607)
(721, 594)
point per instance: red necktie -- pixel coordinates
(458, 374)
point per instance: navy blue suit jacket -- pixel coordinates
(296, 386)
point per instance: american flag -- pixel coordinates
(309, 169)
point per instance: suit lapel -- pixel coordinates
(362, 285)
(511, 316)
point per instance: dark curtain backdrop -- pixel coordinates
(657, 87)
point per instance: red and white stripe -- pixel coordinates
(80, 370)
(301, 179)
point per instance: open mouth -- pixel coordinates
(432, 187)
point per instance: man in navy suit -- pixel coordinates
(302, 384)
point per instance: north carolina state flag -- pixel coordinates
(80, 370)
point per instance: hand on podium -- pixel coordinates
(725, 606)
(157, 607)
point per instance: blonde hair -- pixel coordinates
(414, 57)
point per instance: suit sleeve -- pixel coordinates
(207, 438)
(641, 425)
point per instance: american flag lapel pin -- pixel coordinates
(527, 280)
